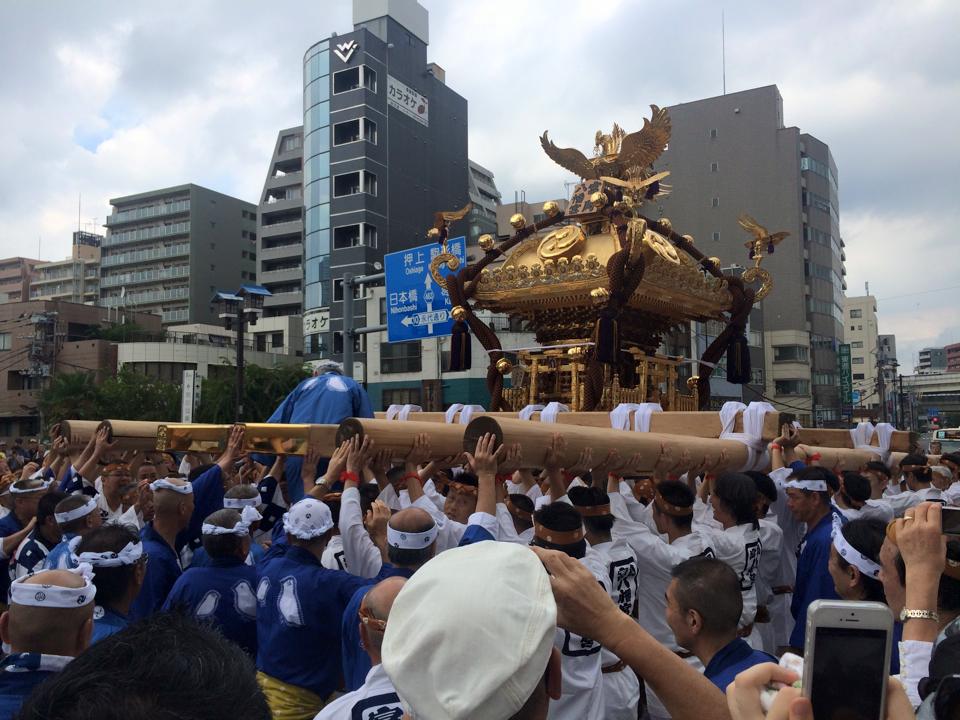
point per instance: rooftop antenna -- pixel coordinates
(723, 50)
(866, 287)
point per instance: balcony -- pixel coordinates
(285, 275)
(146, 298)
(147, 233)
(151, 211)
(293, 250)
(291, 179)
(145, 276)
(284, 228)
(283, 298)
(139, 256)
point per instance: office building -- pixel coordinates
(485, 197)
(280, 227)
(953, 357)
(931, 360)
(532, 213)
(15, 276)
(76, 279)
(860, 333)
(733, 154)
(41, 338)
(384, 148)
(168, 251)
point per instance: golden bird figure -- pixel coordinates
(442, 221)
(761, 237)
(620, 155)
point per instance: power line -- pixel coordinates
(919, 292)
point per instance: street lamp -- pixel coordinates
(237, 310)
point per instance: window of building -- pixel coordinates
(400, 357)
(346, 236)
(370, 238)
(5, 341)
(716, 236)
(858, 376)
(346, 80)
(856, 313)
(338, 290)
(290, 143)
(369, 131)
(857, 344)
(756, 376)
(369, 79)
(276, 339)
(716, 202)
(401, 396)
(859, 327)
(346, 132)
(789, 353)
(853, 327)
(714, 167)
(338, 342)
(346, 184)
(383, 311)
(713, 134)
(824, 378)
(369, 183)
(792, 387)
(857, 361)
(261, 342)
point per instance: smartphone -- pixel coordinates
(950, 521)
(847, 659)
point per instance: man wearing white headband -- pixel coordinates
(223, 593)
(238, 498)
(76, 515)
(119, 565)
(48, 624)
(300, 603)
(377, 692)
(808, 499)
(44, 537)
(173, 508)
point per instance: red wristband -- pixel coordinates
(775, 446)
(347, 476)
(816, 457)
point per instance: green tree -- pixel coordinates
(131, 395)
(263, 390)
(70, 396)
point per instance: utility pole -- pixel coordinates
(883, 398)
(349, 331)
(237, 310)
(903, 423)
(238, 398)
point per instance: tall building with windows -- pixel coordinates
(168, 251)
(384, 147)
(486, 199)
(15, 276)
(860, 332)
(76, 279)
(733, 154)
(280, 227)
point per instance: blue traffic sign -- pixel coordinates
(932, 412)
(855, 396)
(417, 307)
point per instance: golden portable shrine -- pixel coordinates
(600, 284)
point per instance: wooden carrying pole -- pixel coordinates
(446, 440)
(128, 434)
(269, 438)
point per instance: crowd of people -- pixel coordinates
(187, 586)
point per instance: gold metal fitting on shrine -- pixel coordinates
(518, 221)
(504, 366)
(485, 242)
(551, 208)
(665, 225)
(623, 206)
(458, 313)
(692, 381)
(689, 239)
(599, 199)
(433, 233)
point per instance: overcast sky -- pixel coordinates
(112, 98)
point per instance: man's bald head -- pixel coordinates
(412, 520)
(49, 630)
(170, 504)
(376, 605)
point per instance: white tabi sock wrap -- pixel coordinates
(165, 484)
(641, 418)
(752, 435)
(54, 596)
(409, 540)
(307, 519)
(130, 554)
(247, 518)
(70, 515)
(528, 411)
(812, 485)
(550, 412)
(18, 488)
(241, 503)
(853, 556)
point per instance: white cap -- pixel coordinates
(471, 632)
(308, 519)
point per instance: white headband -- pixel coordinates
(853, 556)
(813, 485)
(88, 507)
(128, 556)
(410, 540)
(53, 596)
(241, 503)
(247, 518)
(42, 487)
(165, 484)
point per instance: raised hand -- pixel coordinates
(486, 459)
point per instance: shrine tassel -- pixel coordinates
(738, 359)
(460, 347)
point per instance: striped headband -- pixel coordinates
(88, 507)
